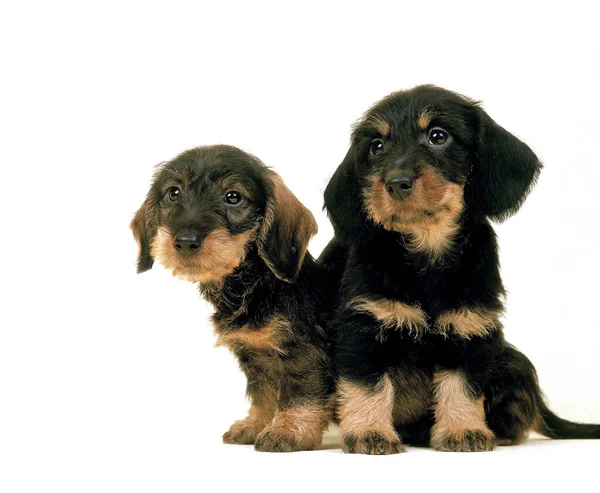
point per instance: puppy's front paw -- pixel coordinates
(464, 441)
(279, 439)
(241, 433)
(372, 443)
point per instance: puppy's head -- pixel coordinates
(419, 158)
(209, 205)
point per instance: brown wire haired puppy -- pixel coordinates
(219, 217)
(418, 325)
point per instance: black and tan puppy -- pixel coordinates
(218, 217)
(419, 345)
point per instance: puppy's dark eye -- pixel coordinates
(377, 147)
(438, 136)
(233, 198)
(174, 193)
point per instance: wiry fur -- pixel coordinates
(250, 261)
(431, 245)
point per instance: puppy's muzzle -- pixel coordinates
(187, 244)
(400, 186)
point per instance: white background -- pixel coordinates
(108, 380)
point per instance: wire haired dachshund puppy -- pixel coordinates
(219, 217)
(419, 347)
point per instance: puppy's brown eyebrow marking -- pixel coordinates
(233, 183)
(381, 126)
(424, 119)
(229, 181)
(170, 184)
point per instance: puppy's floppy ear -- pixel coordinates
(343, 198)
(144, 225)
(504, 172)
(286, 229)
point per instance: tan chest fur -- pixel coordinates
(465, 323)
(271, 336)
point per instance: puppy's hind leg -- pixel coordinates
(510, 397)
(515, 404)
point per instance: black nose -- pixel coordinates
(187, 244)
(400, 186)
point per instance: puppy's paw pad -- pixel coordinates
(466, 441)
(372, 443)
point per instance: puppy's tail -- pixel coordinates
(518, 373)
(552, 426)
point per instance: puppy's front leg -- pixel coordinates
(262, 393)
(365, 413)
(460, 423)
(304, 406)
(365, 393)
